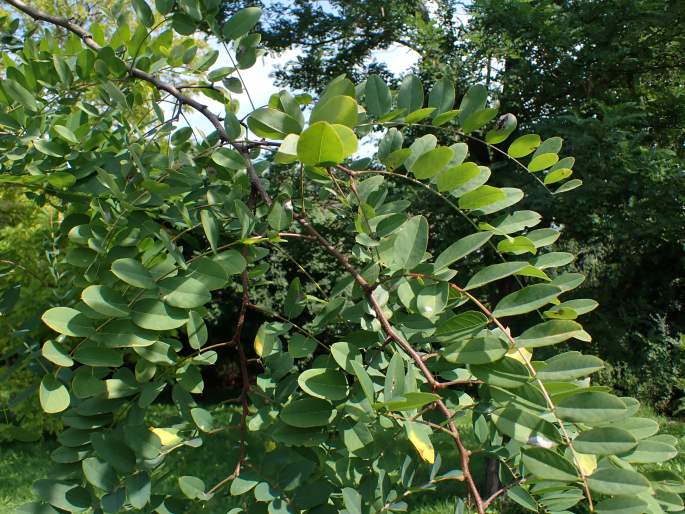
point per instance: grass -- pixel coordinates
(22, 463)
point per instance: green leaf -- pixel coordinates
(619, 482)
(144, 12)
(460, 326)
(99, 473)
(461, 248)
(460, 175)
(54, 397)
(231, 261)
(441, 96)
(341, 110)
(524, 145)
(122, 333)
(569, 366)
(287, 152)
(378, 99)
(272, 124)
(65, 495)
(494, 272)
(526, 427)
(605, 441)
(473, 101)
(133, 273)
(344, 353)
(548, 465)
(512, 196)
(444, 117)
(622, 505)
(209, 272)
(352, 500)
(506, 124)
(396, 159)
(66, 134)
(641, 428)
(591, 407)
(409, 401)
(479, 350)
(549, 145)
(241, 23)
(432, 162)
(507, 373)
(228, 158)
(192, 487)
(20, 94)
(197, 330)
(516, 245)
(56, 354)
(348, 139)
(106, 301)
(549, 333)
(68, 321)
(526, 299)
(184, 292)
(138, 489)
(153, 314)
(244, 483)
(394, 378)
(411, 243)
(210, 227)
(324, 383)
(478, 119)
(568, 186)
(418, 115)
(307, 412)
(420, 146)
(98, 357)
(51, 148)
(202, 418)
(557, 175)
(320, 144)
(364, 380)
(301, 346)
(542, 162)
(553, 260)
(481, 197)
(432, 299)
(410, 96)
(649, 451)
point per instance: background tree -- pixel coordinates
(606, 76)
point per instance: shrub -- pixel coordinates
(361, 390)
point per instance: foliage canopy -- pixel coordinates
(156, 218)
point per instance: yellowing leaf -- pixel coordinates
(166, 436)
(418, 435)
(269, 446)
(586, 462)
(523, 355)
(258, 345)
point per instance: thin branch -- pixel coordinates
(245, 383)
(543, 389)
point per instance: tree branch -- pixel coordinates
(182, 99)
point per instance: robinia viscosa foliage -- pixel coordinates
(158, 217)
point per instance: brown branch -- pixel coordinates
(243, 398)
(501, 491)
(400, 341)
(543, 389)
